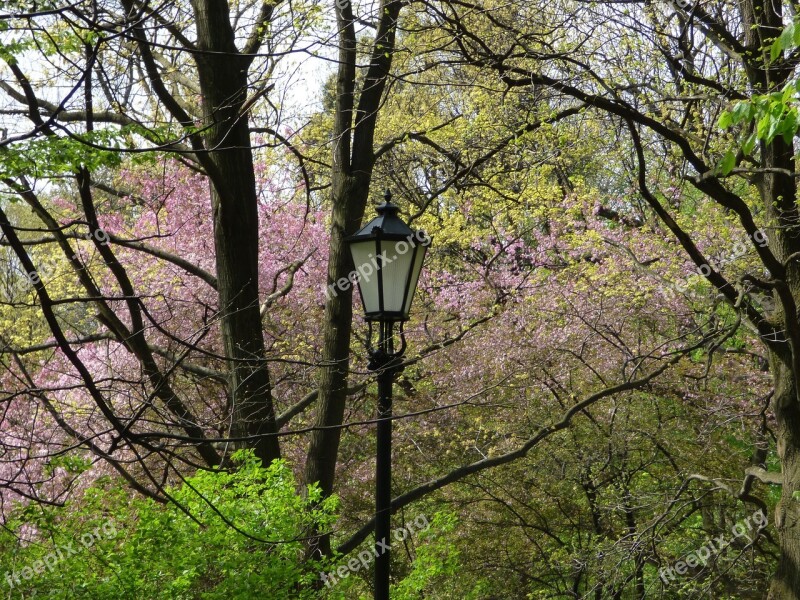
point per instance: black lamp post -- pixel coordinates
(388, 257)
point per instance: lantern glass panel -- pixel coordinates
(416, 268)
(364, 254)
(397, 262)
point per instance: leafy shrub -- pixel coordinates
(231, 535)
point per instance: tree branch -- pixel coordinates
(489, 463)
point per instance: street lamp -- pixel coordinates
(388, 257)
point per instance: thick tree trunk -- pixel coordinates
(352, 173)
(786, 581)
(223, 82)
(350, 198)
(779, 194)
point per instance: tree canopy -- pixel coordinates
(599, 398)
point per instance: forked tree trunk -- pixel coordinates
(353, 162)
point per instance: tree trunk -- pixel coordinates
(351, 176)
(779, 194)
(223, 83)
(786, 581)
(350, 198)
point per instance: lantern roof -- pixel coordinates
(387, 225)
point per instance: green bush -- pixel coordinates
(232, 535)
(235, 535)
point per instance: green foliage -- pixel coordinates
(787, 40)
(52, 156)
(428, 564)
(71, 463)
(434, 572)
(728, 163)
(243, 540)
(774, 114)
(229, 534)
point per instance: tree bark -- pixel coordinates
(223, 82)
(352, 172)
(349, 202)
(786, 581)
(778, 192)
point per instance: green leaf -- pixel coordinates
(776, 120)
(749, 144)
(789, 125)
(742, 111)
(784, 41)
(727, 163)
(763, 126)
(725, 120)
(788, 93)
(775, 50)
